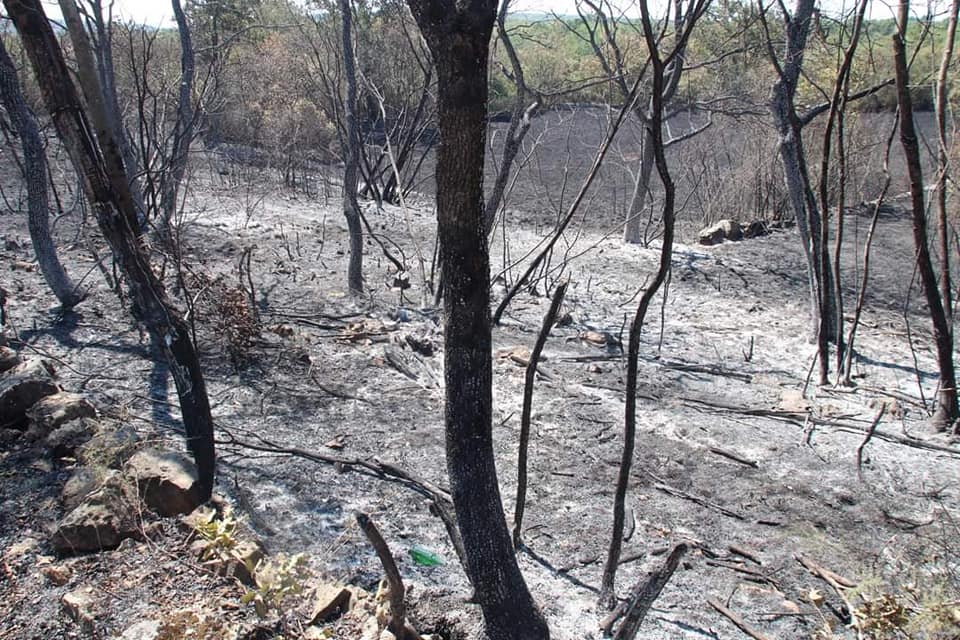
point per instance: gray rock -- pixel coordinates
(8, 359)
(53, 411)
(104, 518)
(83, 482)
(21, 387)
(67, 439)
(722, 230)
(167, 481)
(110, 447)
(79, 605)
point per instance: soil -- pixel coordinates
(737, 454)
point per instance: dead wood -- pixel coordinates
(730, 455)
(713, 370)
(867, 438)
(832, 578)
(752, 574)
(838, 583)
(643, 596)
(677, 493)
(745, 553)
(531, 373)
(736, 620)
(398, 610)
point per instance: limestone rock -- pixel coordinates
(104, 518)
(143, 630)
(329, 602)
(79, 605)
(109, 447)
(722, 230)
(57, 574)
(167, 481)
(83, 482)
(240, 562)
(53, 411)
(65, 441)
(8, 359)
(21, 387)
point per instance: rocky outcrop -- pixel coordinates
(731, 230)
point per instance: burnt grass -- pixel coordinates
(732, 457)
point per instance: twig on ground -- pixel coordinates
(736, 620)
(735, 457)
(867, 438)
(673, 491)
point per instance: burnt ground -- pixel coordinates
(722, 377)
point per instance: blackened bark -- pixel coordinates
(796, 174)
(351, 171)
(947, 410)
(35, 175)
(183, 127)
(99, 164)
(520, 121)
(458, 35)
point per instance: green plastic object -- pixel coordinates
(424, 556)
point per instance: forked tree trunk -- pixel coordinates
(458, 35)
(796, 175)
(99, 163)
(35, 175)
(351, 171)
(946, 413)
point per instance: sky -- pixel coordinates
(158, 12)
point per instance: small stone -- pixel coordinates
(370, 629)
(79, 606)
(58, 575)
(167, 481)
(143, 630)
(239, 562)
(53, 411)
(329, 602)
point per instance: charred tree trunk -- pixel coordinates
(183, 127)
(632, 229)
(99, 163)
(458, 35)
(351, 171)
(796, 175)
(35, 176)
(520, 120)
(943, 164)
(660, 66)
(946, 413)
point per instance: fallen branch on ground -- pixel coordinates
(642, 597)
(735, 619)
